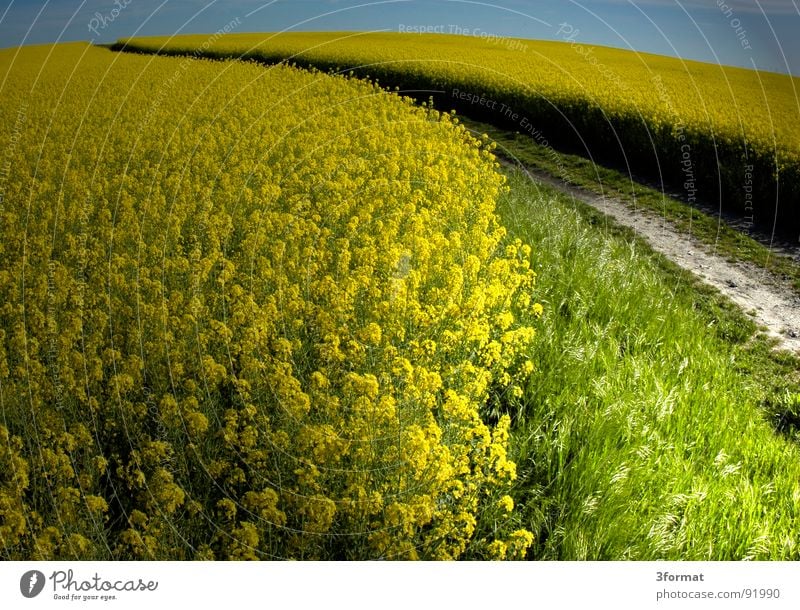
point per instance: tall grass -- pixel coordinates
(641, 434)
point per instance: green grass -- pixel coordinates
(715, 234)
(651, 428)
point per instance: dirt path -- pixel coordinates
(771, 302)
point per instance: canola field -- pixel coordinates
(249, 313)
(726, 135)
(254, 312)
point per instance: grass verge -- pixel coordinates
(646, 431)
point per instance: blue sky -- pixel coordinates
(760, 33)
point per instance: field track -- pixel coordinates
(774, 305)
